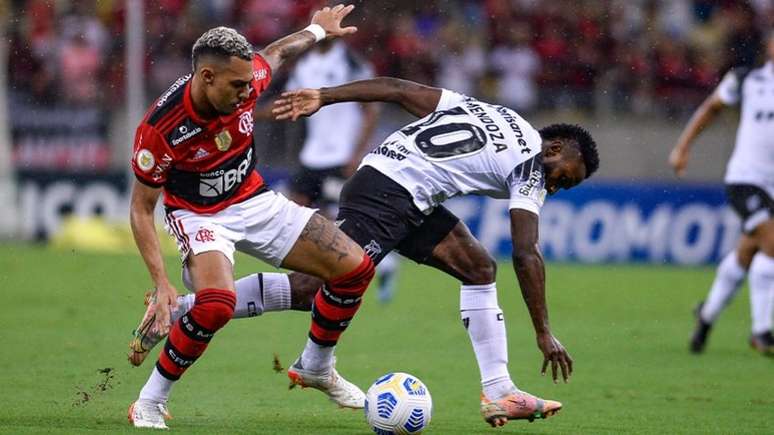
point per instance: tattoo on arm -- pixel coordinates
(325, 236)
(287, 48)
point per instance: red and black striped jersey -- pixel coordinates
(203, 165)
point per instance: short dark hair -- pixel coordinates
(222, 42)
(586, 144)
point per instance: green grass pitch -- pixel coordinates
(66, 315)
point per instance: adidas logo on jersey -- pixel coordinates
(200, 154)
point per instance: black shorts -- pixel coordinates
(753, 204)
(309, 182)
(380, 215)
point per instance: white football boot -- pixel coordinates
(339, 390)
(148, 414)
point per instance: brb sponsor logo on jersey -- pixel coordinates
(221, 181)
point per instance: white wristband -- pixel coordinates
(317, 30)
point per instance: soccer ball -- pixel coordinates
(398, 404)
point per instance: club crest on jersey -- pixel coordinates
(223, 140)
(145, 160)
(246, 122)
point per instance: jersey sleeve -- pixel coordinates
(729, 89)
(152, 158)
(449, 99)
(527, 185)
(261, 73)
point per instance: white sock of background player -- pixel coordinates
(484, 321)
(728, 279)
(256, 294)
(387, 271)
(761, 292)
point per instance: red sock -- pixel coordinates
(337, 302)
(193, 331)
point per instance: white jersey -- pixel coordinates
(752, 161)
(465, 147)
(332, 133)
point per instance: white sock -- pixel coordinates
(157, 388)
(761, 292)
(316, 358)
(256, 294)
(728, 279)
(260, 293)
(484, 321)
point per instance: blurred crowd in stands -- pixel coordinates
(640, 56)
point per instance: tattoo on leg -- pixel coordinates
(325, 236)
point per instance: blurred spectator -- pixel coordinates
(517, 65)
(461, 61)
(642, 56)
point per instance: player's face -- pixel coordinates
(229, 84)
(563, 166)
(770, 47)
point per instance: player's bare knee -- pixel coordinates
(482, 271)
(764, 236)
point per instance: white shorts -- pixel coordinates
(265, 226)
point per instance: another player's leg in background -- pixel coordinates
(387, 277)
(462, 256)
(762, 289)
(729, 277)
(189, 336)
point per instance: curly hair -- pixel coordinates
(222, 42)
(581, 137)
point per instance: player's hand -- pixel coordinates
(166, 301)
(295, 104)
(678, 160)
(554, 353)
(330, 20)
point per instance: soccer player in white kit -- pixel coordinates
(460, 146)
(749, 183)
(336, 139)
(393, 202)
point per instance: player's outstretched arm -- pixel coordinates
(530, 270)
(326, 23)
(417, 99)
(141, 209)
(701, 118)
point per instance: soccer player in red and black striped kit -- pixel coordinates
(195, 146)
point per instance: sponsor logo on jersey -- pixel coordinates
(260, 74)
(161, 167)
(246, 122)
(145, 160)
(392, 150)
(535, 179)
(223, 140)
(183, 132)
(175, 86)
(216, 183)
